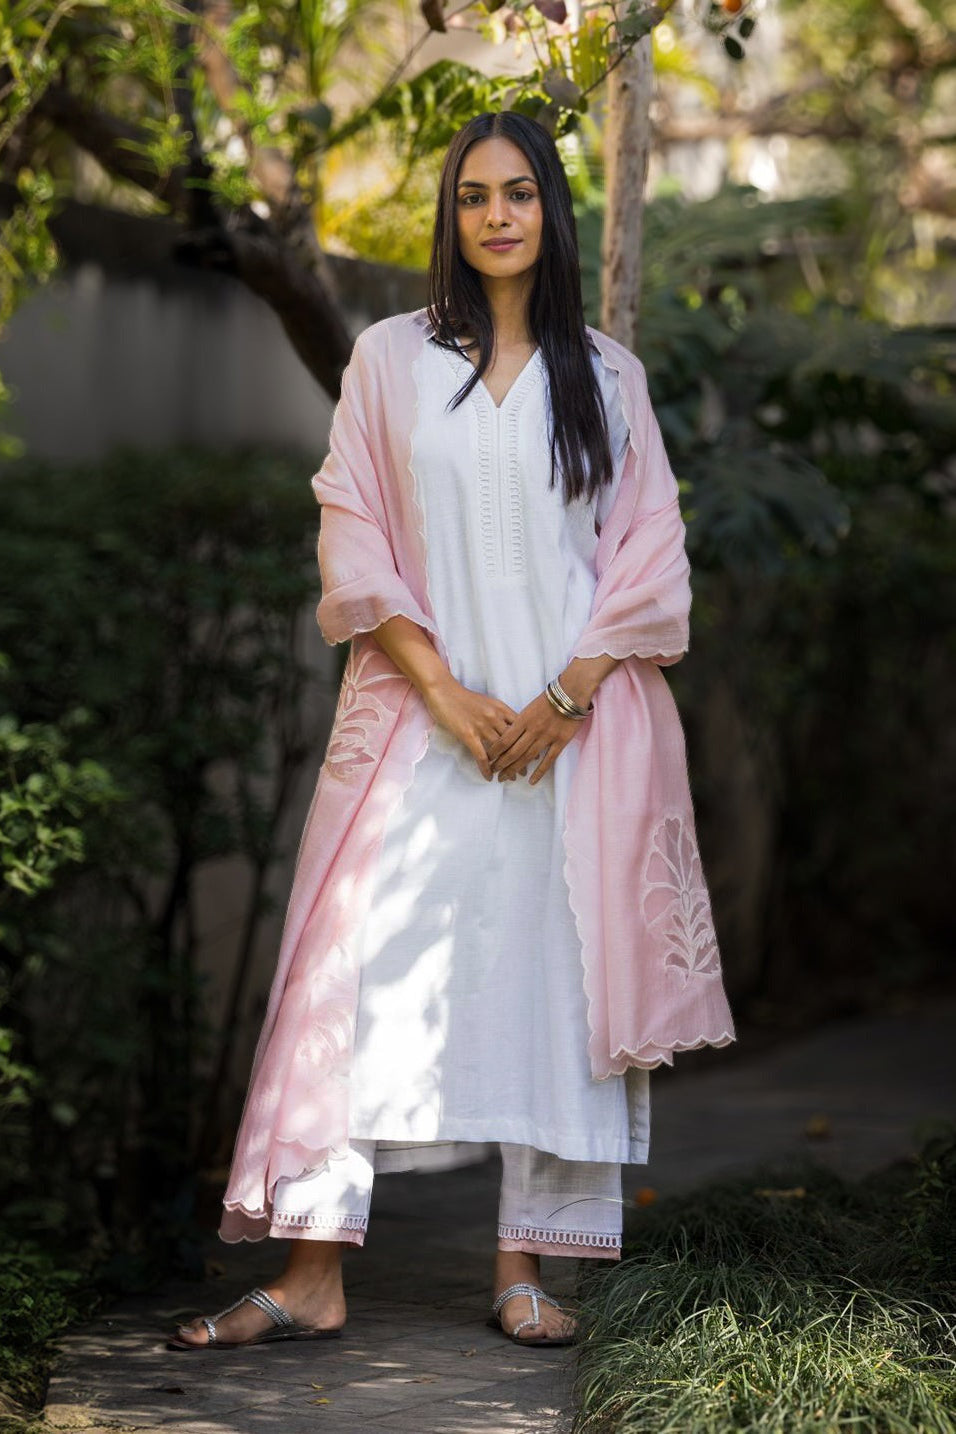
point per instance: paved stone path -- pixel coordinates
(416, 1355)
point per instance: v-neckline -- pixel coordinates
(519, 377)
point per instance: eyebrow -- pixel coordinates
(475, 184)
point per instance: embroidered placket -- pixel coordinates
(499, 482)
(500, 512)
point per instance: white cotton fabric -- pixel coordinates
(566, 1205)
(471, 1022)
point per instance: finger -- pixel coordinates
(505, 741)
(480, 755)
(521, 750)
(493, 734)
(522, 758)
(499, 716)
(545, 766)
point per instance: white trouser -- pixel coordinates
(547, 1206)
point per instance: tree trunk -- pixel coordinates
(627, 136)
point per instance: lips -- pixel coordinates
(500, 245)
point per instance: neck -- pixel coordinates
(509, 300)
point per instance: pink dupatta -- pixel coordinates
(650, 965)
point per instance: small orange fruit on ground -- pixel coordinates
(646, 1195)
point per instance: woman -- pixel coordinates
(498, 923)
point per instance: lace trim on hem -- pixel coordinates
(321, 1222)
(623, 1059)
(559, 1237)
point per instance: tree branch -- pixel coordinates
(291, 218)
(287, 270)
(199, 201)
(267, 265)
(268, 165)
(109, 139)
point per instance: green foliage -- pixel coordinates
(43, 802)
(39, 1298)
(163, 598)
(781, 1300)
(28, 256)
(428, 108)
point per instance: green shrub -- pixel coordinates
(38, 1300)
(162, 599)
(781, 1302)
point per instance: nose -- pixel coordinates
(497, 210)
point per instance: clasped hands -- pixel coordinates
(503, 742)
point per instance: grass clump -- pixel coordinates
(769, 1306)
(40, 1296)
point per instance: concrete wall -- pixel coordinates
(138, 350)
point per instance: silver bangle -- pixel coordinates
(562, 703)
(560, 693)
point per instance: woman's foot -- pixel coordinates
(310, 1288)
(514, 1267)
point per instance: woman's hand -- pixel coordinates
(474, 718)
(536, 731)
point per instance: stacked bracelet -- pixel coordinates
(562, 703)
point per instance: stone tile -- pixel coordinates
(469, 1417)
(279, 1421)
(388, 1394)
(405, 1316)
(427, 1357)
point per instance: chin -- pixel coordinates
(516, 263)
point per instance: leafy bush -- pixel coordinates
(42, 799)
(163, 598)
(38, 1300)
(781, 1301)
(44, 803)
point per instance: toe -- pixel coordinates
(194, 1333)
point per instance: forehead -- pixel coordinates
(495, 158)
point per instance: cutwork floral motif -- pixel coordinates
(676, 901)
(357, 714)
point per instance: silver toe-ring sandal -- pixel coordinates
(284, 1326)
(536, 1294)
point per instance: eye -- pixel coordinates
(466, 198)
(517, 193)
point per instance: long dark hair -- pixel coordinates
(457, 304)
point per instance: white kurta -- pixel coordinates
(471, 1021)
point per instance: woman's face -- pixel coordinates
(498, 198)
